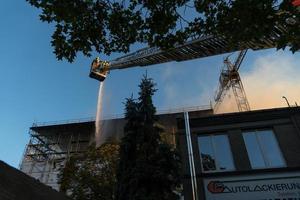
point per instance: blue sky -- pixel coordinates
(35, 86)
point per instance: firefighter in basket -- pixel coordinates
(99, 69)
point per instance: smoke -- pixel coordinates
(272, 77)
(228, 104)
(266, 78)
(187, 84)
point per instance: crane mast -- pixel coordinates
(240, 95)
(230, 78)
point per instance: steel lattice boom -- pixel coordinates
(195, 48)
(230, 78)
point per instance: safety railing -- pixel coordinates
(118, 116)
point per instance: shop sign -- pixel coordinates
(276, 187)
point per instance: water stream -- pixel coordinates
(98, 123)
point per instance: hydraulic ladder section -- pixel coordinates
(203, 46)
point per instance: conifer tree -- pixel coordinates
(127, 151)
(149, 169)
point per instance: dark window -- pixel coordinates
(263, 150)
(215, 153)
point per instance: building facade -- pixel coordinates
(249, 155)
(52, 144)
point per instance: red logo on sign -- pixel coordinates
(296, 2)
(215, 187)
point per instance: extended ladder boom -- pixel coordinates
(203, 46)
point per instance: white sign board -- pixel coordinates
(256, 187)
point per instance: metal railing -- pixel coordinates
(119, 116)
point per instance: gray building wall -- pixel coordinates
(284, 122)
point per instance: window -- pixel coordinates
(263, 150)
(215, 153)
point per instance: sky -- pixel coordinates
(36, 87)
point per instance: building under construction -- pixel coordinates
(243, 155)
(51, 144)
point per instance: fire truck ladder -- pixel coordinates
(203, 46)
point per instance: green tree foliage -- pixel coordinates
(91, 176)
(149, 169)
(113, 25)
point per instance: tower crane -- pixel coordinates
(230, 78)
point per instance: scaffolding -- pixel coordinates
(51, 146)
